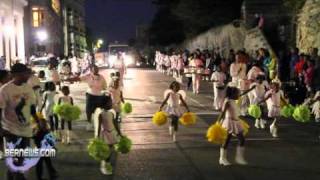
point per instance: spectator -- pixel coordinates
(294, 58)
(308, 74)
(17, 103)
(298, 68)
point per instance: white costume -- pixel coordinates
(257, 94)
(273, 103)
(173, 106)
(116, 98)
(231, 121)
(218, 89)
(49, 102)
(316, 107)
(108, 132)
(253, 73)
(237, 72)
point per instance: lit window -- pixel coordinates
(37, 17)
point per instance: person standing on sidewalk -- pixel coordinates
(17, 106)
(95, 95)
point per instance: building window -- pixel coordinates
(37, 17)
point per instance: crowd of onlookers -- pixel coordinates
(293, 68)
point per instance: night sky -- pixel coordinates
(116, 20)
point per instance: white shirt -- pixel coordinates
(96, 84)
(11, 96)
(219, 77)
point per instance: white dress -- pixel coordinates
(316, 106)
(231, 121)
(218, 90)
(257, 94)
(116, 98)
(173, 106)
(49, 103)
(108, 132)
(273, 103)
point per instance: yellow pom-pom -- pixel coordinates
(160, 118)
(217, 134)
(245, 127)
(188, 119)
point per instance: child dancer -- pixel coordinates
(315, 102)
(105, 128)
(259, 89)
(42, 131)
(66, 98)
(230, 121)
(117, 98)
(174, 97)
(273, 98)
(218, 78)
(48, 103)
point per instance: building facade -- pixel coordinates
(12, 44)
(74, 29)
(43, 27)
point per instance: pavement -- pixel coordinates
(295, 155)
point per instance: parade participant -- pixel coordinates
(316, 106)
(52, 75)
(218, 78)
(48, 104)
(117, 98)
(237, 71)
(65, 98)
(167, 64)
(17, 106)
(120, 66)
(273, 98)
(95, 95)
(180, 67)
(259, 89)
(4, 78)
(232, 123)
(198, 64)
(174, 63)
(254, 72)
(42, 130)
(174, 97)
(105, 128)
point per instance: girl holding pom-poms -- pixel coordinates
(174, 97)
(232, 123)
(48, 104)
(117, 98)
(105, 128)
(218, 78)
(273, 98)
(259, 89)
(66, 98)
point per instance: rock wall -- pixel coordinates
(308, 30)
(229, 37)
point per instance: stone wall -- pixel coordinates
(229, 37)
(308, 30)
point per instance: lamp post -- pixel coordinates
(96, 46)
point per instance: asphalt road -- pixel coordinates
(295, 155)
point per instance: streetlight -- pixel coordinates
(97, 45)
(42, 35)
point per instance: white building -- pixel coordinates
(12, 44)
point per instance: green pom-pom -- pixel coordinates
(302, 114)
(124, 145)
(287, 111)
(254, 111)
(67, 111)
(98, 149)
(126, 108)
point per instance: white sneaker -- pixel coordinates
(240, 156)
(223, 158)
(105, 168)
(257, 123)
(274, 131)
(1, 155)
(262, 123)
(68, 137)
(170, 130)
(174, 139)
